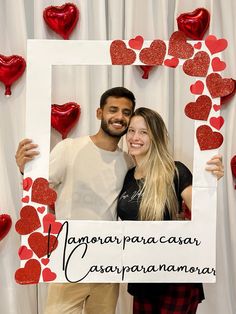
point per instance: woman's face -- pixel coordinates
(138, 139)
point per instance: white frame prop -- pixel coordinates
(160, 251)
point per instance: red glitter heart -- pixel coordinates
(120, 54)
(207, 139)
(217, 64)
(42, 245)
(41, 193)
(217, 122)
(155, 54)
(48, 220)
(24, 253)
(27, 183)
(197, 88)
(217, 107)
(29, 221)
(5, 225)
(136, 43)
(30, 274)
(45, 261)
(219, 87)
(215, 45)
(172, 63)
(198, 66)
(200, 109)
(194, 24)
(48, 275)
(25, 199)
(198, 45)
(178, 46)
(62, 19)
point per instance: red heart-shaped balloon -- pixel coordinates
(233, 166)
(5, 225)
(64, 117)
(62, 19)
(11, 68)
(146, 70)
(194, 24)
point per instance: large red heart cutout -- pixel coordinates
(215, 45)
(29, 220)
(42, 245)
(194, 24)
(41, 193)
(30, 274)
(11, 68)
(219, 87)
(207, 139)
(5, 225)
(155, 54)
(64, 117)
(198, 66)
(62, 19)
(178, 46)
(200, 109)
(120, 54)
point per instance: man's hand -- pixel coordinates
(25, 152)
(216, 166)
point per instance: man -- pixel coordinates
(88, 175)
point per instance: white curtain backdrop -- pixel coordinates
(166, 91)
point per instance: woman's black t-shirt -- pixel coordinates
(128, 209)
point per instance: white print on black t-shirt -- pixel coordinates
(132, 198)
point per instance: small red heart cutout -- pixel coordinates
(41, 193)
(200, 109)
(217, 107)
(197, 88)
(215, 45)
(217, 64)
(198, 66)
(25, 199)
(219, 87)
(120, 54)
(172, 63)
(5, 225)
(41, 209)
(198, 45)
(27, 183)
(217, 122)
(136, 43)
(178, 46)
(45, 261)
(49, 220)
(24, 253)
(29, 274)
(29, 220)
(155, 54)
(42, 245)
(207, 139)
(48, 275)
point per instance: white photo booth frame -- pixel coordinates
(184, 251)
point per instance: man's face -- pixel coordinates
(115, 116)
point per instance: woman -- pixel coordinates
(157, 186)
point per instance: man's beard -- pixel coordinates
(117, 134)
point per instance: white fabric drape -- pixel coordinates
(166, 90)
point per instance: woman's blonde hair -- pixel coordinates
(158, 192)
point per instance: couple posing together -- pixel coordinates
(95, 180)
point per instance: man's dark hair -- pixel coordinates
(117, 92)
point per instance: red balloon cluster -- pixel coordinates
(194, 24)
(64, 117)
(11, 68)
(62, 19)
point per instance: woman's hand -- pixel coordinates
(25, 152)
(215, 165)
